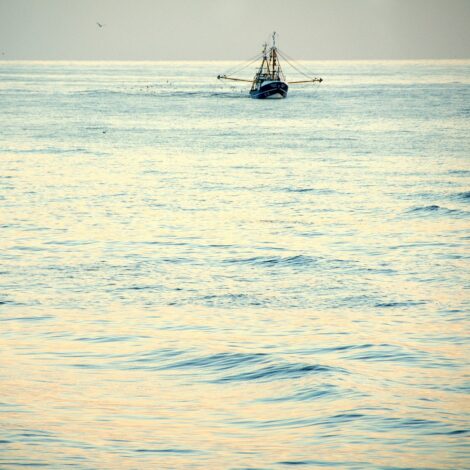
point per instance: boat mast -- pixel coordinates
(265, 58)
(258, 77)
(273, 56)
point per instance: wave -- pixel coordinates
(309, 190)
(268, 261)
(167, 451)
(409, 303)
(299, 190)
(405, 356)
(464, 196)
(434, 209)
(425, 209)
(324, 391)
(279, 372)
(382, 422)
(325, 463)
(27, 318)
(335, 420)
(225, 367)
(53, 151)
(219, 361)
(108, 339)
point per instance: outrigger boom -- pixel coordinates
(269, 81)
(224, 77)
(313, 80)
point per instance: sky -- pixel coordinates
(233, 29)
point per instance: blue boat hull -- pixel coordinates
(270, 90)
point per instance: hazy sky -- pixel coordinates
(233, 29)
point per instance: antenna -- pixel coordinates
(274, 39)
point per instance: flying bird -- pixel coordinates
(99, 24)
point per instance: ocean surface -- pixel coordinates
(190, 278)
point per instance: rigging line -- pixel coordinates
(237, 69)
(293, 60)
(250, 63)
(294, 67)
(305, 69)
(286, 58)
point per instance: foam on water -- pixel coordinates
(194, 279)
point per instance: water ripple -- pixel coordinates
(189, 281)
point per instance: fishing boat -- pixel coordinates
(269, 80)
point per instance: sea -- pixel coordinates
(193, 279)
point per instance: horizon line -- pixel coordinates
(463, 59)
